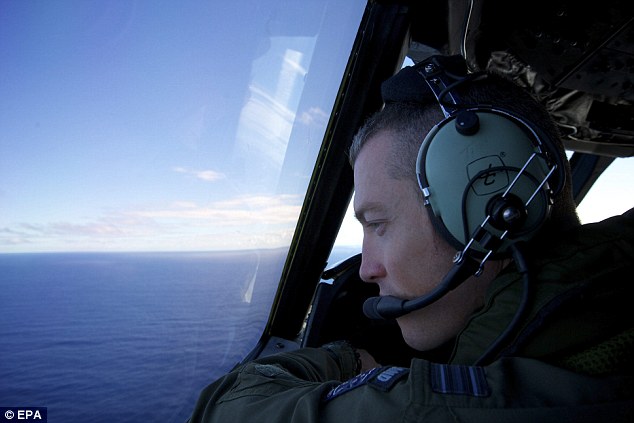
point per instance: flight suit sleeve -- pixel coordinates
(286, 387)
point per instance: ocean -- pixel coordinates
(114, 337)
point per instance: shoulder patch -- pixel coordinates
(459, 380)
(382, 378)
(351, 384)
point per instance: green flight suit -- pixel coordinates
(570, 360)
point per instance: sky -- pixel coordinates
(148, 125)
(143, 125)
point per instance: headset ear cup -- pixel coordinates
(464, 177)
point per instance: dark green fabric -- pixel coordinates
(583, 296)
(523, 390)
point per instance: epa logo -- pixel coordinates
(23, 414)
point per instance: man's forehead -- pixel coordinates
(371, 161)
(371, 179)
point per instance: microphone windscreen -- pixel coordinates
(384, 308)
(370, 308)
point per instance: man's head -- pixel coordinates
(402, 252)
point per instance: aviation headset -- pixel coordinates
(488, 178)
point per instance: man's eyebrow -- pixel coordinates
(360, 213)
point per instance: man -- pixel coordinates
(542, 333)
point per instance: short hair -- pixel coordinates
(409, 123)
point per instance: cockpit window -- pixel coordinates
(153, 163)
(611, 194)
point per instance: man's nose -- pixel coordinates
(371, 269)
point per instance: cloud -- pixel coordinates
(12, 236)
(111, 225)
(261, 221)
(239, 211)
(314, 116)
(205, 175)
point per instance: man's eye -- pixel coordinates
(377, 226)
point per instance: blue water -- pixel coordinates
(127, 337)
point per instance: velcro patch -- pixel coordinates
(269, 370)
(387, 378)
(459, 380)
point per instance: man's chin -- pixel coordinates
(418, 335)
